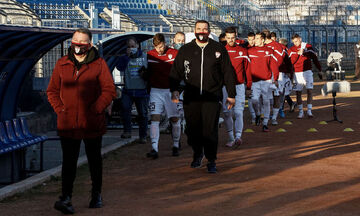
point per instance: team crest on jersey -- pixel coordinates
(240, 53)
(217, 54)
(267, 52)
(170, 56)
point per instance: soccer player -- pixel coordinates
(251, 43)
(279, 54)
(265, 71)
(239, 60)
(286, 73)
(301, 55)
(160, 60)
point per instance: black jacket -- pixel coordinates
(204, 70)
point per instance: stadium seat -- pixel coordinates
(20, 134)
(5, 139)
(26, 130)
(12, 136)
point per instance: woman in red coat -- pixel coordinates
(80, 89)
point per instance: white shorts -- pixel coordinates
(302, 79)
(261, 88)
(285, 85)
(239, 98)
(160, 100)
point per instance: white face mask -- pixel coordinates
(133, 51)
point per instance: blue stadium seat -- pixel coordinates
(26, 131)
(155, 6)
(147, 6)
(156, 12)
(5, 139)
(20, 134)
(12, 136)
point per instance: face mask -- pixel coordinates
(133, 51)
(178, 45)
(79, 48)
(203, 37)
(223, 43)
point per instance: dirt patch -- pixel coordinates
(291, 173)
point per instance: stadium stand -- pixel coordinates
(12, 12)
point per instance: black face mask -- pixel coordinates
(79, 48)
(203, 37)
(223, 43)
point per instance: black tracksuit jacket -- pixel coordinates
(204, 70)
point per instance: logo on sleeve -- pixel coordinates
(267, 52)
(217, 54)
(240, 53)
(170, 56)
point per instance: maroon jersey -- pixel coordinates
(263, 64)
(240, 61)
(159, 67)
(279, 52)
(303, 63)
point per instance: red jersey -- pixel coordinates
(263, 64)
(279, 51)
(159, 67)
(303, 63)
(286, 66)
(240, 61)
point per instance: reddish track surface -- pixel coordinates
(291, 173)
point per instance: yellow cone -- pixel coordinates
(323, 122)
(348, 130)
(288, 123)
(248, 130)
(312, 130)
(281, 130)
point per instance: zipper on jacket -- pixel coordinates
(202, 70)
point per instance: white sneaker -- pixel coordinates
(274, 122)
(309, 114)
(229, 144)
(301, 115)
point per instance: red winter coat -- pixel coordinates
(79, 98)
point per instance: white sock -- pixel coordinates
(301, 111)
(176, 130)
(309, 107)
(229, 122)
(300, 107)
(275, 113)
(154, 135)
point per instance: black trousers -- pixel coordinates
(71, 149)
(202, 124)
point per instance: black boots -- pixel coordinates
(96, 200)
(64, 205)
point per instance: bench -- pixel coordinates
(15, 137)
